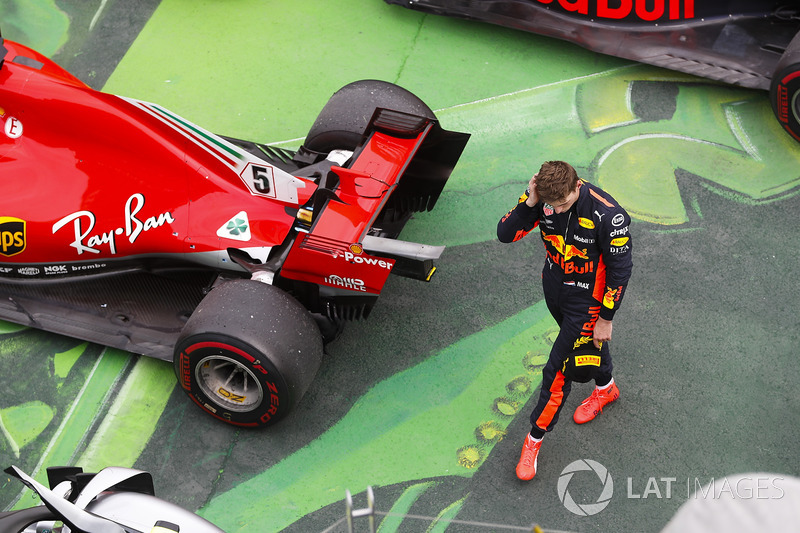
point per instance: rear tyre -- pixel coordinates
(343, 120)
(784, 91)
(248, 353)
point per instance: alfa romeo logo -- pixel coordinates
(237, 226)
(586, 509)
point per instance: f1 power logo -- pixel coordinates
(585, 465)
(12, 236)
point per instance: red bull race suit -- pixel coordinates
(586, 271)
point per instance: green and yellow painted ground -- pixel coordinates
(427, 401)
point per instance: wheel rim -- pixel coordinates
(795, 105)
(229, 383)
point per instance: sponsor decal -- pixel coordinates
(783, 102)
(584, 240)
(185, 372)
(588, 327)
(630, 10)
(134, 224)
(359, 259)
(88, 266)
(586, 223)
(612, 296)
(52, 270)
(587, 360)
(618, 220)
(13, 128)
(567, 250)
(12, 236)
(568, 266)
(28, 271)
(233, 397)
(354, 284)
(237, 228)
(619, 241)
(784, 99)
(619, 250)
(55, 270)
(620, 231)
(548, 210)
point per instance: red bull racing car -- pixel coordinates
(750, 43)
(124, 224)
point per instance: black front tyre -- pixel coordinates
(248, 353)
(784, 91)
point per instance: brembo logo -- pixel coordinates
(643, 10)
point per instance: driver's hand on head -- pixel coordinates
(533, 196)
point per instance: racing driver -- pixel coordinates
(587, 238)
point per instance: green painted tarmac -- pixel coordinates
(427, 401)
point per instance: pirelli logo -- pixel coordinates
(587, 360)
(12, 236)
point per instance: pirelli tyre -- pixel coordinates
(248, 353)
(343, 120)
(784, 91)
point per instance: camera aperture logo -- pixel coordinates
(585, 465)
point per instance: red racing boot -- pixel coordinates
(593, 405)
(526, 468)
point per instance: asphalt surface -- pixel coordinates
(427, 401)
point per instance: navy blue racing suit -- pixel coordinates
(586, 271)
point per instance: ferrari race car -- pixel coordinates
(126, 225)
(115, 500)
(750, 43)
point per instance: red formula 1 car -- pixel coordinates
(126, 225)
(750, 43)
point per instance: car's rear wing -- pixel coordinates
(401, 167)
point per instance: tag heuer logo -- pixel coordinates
(12, 236)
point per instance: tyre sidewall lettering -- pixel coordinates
(275, 391)
(785, 91)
